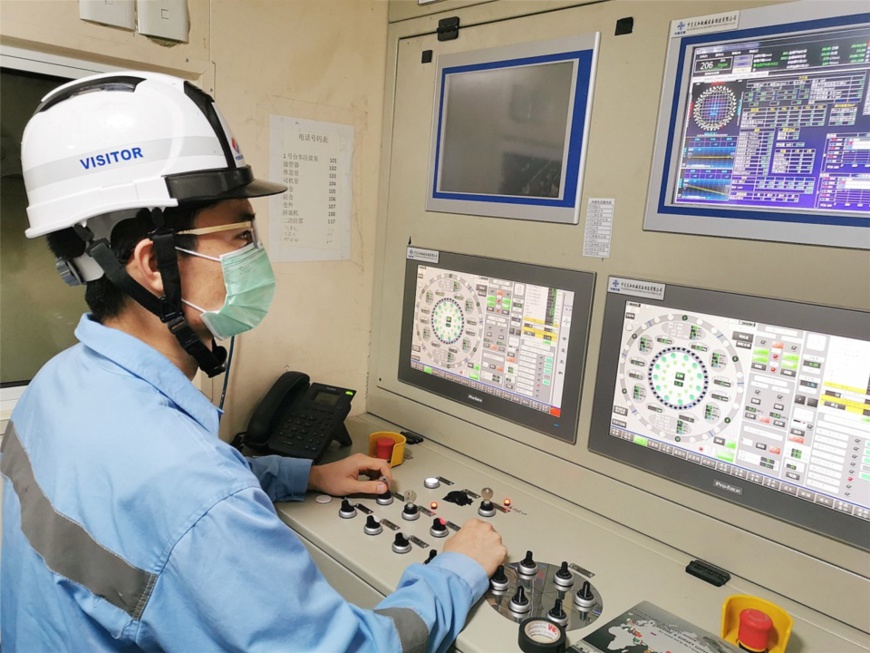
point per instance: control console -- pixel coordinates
(565, 564)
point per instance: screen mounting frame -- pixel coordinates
(716, 482)
(582, 51)
(581, 283)
(831, 228)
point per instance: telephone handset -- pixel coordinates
(298, 418)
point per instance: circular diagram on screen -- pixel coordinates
(449, 321)
(682, 378)
(714, 108)
(678, 378)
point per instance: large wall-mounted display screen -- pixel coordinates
(768, 124)
(503, 337)
(509, 130)
(759, 401)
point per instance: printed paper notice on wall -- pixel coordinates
(599, 227)
(311, 221)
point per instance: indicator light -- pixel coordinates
(434, 505)
(507, 503)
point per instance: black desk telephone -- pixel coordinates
(298, 418)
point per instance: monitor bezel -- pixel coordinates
(581, 49)
(823, 319)
(822, 227)
(581, 283)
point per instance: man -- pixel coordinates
(127, 524)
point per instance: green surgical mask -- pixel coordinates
(250, 285)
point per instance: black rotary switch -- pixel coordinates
(499, 581)
(401, 544)
(528, 566)
(410, 512)
(439, 529)
(386, 498)
(432, 554)
(584, 598)
(373, 526)
(346, 511)
(564, 577)
(557, 613)
(520, 602)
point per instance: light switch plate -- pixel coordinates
(118, 13)
(166, 19)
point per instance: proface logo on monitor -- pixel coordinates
(475, 398)
(734, 489)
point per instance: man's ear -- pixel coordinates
(142, 266)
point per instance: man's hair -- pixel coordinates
(104, 299)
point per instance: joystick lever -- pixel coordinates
(528, 566)
(584, 598)
(557, 613)
(499, 581)
(520, 602)
(564, 577)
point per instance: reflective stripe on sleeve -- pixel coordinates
(413, 632)
(65, 546)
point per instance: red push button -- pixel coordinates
(753, 632)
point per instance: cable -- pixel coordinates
(227, 373)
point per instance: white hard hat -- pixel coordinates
(105, 144)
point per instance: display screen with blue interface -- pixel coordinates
(778, 122)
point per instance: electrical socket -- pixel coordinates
(118, 13)
(166, 19)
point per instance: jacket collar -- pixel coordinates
(145, 362)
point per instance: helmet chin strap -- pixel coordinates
(168, 308)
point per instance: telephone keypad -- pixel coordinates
(309, 428)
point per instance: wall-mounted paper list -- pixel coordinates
(311, 221)
(599, 227)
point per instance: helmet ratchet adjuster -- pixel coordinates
(68, 272)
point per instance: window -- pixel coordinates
(38, 312)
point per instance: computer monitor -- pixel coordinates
(509, 130)
(502, 337)
(764, 130)
(762, 402)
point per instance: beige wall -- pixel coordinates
(312, 59)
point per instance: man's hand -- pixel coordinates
(481, 542)
(342, 477)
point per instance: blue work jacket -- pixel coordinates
(129, 525)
